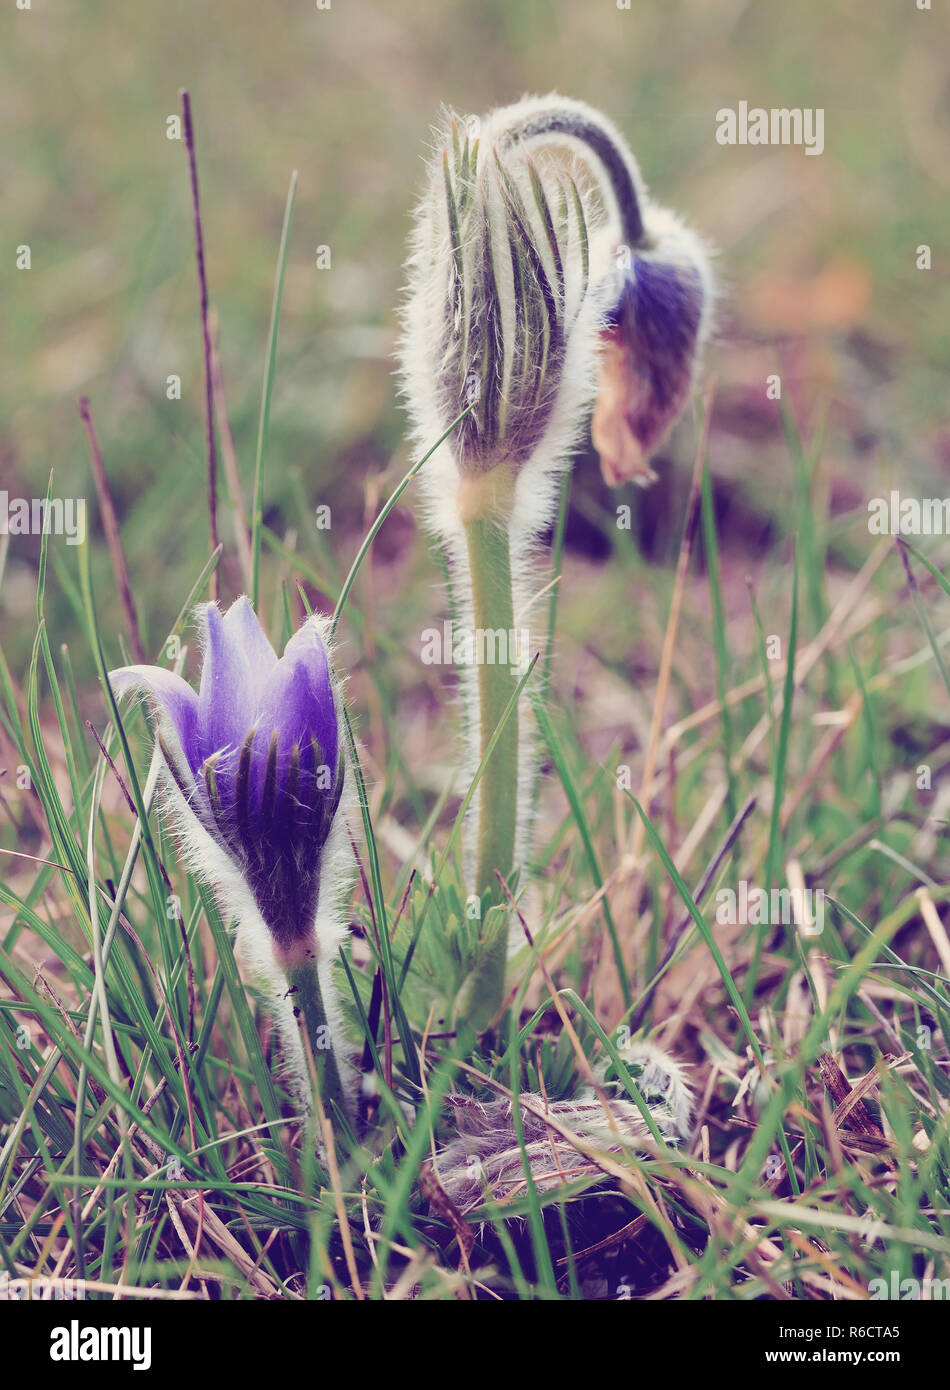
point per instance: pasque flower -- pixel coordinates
(542, 280)
(499, 323)
(255, 773)
(653, 331)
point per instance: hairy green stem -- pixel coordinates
(307, 998)
(493, 612)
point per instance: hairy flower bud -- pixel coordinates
(500, 286)
(541, 278)
(656, 281)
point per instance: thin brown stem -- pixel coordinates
(205, 335)
(229, 459)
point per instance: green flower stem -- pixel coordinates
(488, 550)
(307, 999)
(489, 554)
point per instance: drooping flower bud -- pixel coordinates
(655, 328)
(656, 278)
(521, 311)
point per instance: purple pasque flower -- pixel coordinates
(256, 756)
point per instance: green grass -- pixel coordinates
(177, 1063)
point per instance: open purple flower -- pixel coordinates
(256, 756)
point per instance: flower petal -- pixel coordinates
(298, 705)
(651, 342)
(226, 703)
(243, 628)
(174, 704)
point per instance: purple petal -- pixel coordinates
(663, 310)
(661, 317)
(174, 704)
(242, 627)
(298, 703)
(226, 699)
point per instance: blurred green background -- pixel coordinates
(817, 255)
